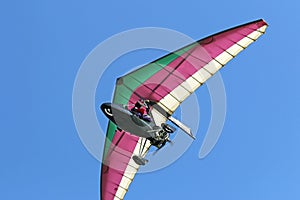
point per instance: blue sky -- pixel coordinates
(43, 44)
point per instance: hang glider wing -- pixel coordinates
(167, 81)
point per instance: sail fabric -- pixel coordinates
(168, 81)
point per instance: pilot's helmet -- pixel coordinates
(139, 103)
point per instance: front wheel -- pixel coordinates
(139, 160)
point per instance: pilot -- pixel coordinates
(141, 109)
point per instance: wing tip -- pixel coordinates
(119, 81)
(261, 22)
(264, 22)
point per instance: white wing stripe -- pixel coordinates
(235, 49)
(223, 58)
(213, 67)
(180, 93)
(192, 85)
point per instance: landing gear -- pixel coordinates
(139, 159)
(160, 139)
